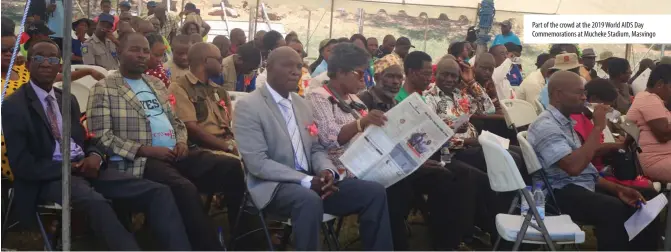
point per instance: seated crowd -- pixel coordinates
(161, 130)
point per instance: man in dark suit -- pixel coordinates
(33, 125)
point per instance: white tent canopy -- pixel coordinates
(647, 7)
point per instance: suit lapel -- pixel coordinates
(36, 104)
(274, 107)
(300, 113)
(127, 94)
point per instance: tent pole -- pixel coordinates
(331, 25)
(67, 125)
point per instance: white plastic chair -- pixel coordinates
(505, 177)
(80, 91)
(88, 80)
(518, 113)
(235, 95)
(539, 106)
(534, 165)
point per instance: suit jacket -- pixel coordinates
(265, 145)
(119, 124)
(30, 144)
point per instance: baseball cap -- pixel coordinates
(326, 42)
(588, 53)
(566, 61)
(125, 4)
(507, 23)
(104, 17)
(152, 4)
(190, 6)
(39, 27)
(403, 41)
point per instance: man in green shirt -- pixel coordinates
(418, 71)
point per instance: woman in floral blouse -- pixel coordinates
(155, 62)
(456, 94)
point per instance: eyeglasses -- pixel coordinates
(40, 59)
(6, 50)
(359, 73)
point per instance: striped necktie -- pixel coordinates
(51, 117)
(299, 155)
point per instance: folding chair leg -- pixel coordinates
(45, 237)
(334, 237)
(522, 233)
(550, 191)
(540, 222)
(5, 221)
(266, 232)
(327, 237)
(236, 226)
(286, 237)
(667, 234)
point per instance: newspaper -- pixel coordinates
(412, 134)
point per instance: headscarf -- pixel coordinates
(385, 62)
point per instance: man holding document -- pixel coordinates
(578, 188)
(289, 172)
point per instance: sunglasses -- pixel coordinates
(6, 50)
(40, 59)
(359, 74)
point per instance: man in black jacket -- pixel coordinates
(33, 125)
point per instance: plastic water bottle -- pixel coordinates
(539, 197)
(445, 155)
(524, 205)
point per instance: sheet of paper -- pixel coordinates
(505, 142)
(643, 216)
(388, 154)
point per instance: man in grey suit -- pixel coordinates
(289, 172)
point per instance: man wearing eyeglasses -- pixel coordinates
(100, 50)
(34, 126)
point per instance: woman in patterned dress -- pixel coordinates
(155, 62)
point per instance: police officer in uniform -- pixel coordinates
(99, 50)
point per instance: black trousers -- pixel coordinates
(200, 171)
(451, 203)
(90, 196)
(607, 213)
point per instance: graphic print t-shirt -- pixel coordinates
(163, 135)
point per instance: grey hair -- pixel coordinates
(346, 57)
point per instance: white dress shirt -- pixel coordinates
(307, 180)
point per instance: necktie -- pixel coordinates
(299, 155)
(53, 120)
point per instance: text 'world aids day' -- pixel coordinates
(597, 29)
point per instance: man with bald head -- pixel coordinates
(300, 182)
(144, 137)
(258, 40)
(205, 108)
(579, 190)
(224, 45)
(238, 38)
(532, 85)
(387, 47)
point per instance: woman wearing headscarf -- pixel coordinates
(340, 117)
